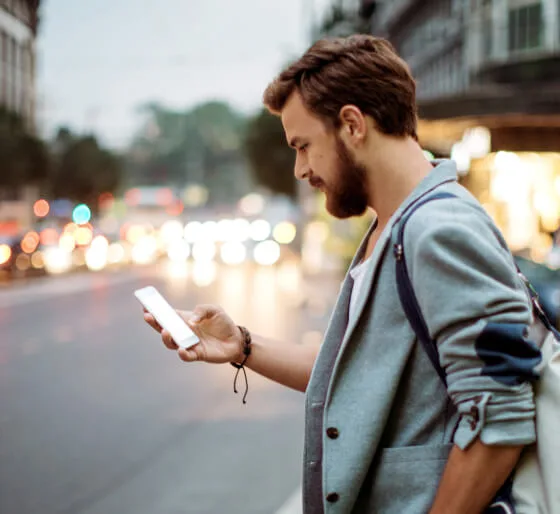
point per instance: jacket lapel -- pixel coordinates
(364, 294)
(445, 172)
(338, 323)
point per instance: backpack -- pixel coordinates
(536, 479)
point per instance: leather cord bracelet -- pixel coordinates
(241, 366)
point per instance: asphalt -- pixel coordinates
(97, 417)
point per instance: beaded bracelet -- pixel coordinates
(246, 351)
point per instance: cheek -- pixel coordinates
(322, 165)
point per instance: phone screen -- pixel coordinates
(166, 316)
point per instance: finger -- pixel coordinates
(150, 320)
(188, 355)
(203, 312)
(168, 340)
(185, 315)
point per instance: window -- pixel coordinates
(526, 27)
(487, 28)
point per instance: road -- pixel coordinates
(97, 417)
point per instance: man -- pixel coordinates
(382, 433)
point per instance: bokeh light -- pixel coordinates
(23, 262)
(115, 253)
(37, 260)
(67, 242)
(5, 253)
(204, 251)
(96, 257)
(81, 214)
(144, 250)
(83, 236)
(178, 251)
(284, 232)
(48, 236)
(57, 260)
(267, 253)
(193, 231)
(233, 252)
(41, 208)
(171, 231)
(251, 204)
(30, 242)
(259, 230)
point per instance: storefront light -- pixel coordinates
(511, 183)
(477, 142)
(462, 158)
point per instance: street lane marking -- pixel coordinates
(293, 504)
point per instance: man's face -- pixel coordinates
(324, 160)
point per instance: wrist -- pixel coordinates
(243, 341)
(239, 344)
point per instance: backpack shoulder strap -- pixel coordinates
(407, 296)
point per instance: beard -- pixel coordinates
(346, 195)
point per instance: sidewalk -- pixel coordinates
(292, 505)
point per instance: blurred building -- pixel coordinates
(344, 17)
(488, 75)
(18, 28)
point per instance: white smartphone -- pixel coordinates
(166, 316)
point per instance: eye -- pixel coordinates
(303, 147)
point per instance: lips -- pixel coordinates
(316, 183)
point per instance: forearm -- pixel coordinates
(285, 363)
(472, 477)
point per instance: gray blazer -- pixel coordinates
(379, 423)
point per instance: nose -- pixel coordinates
(301, 168)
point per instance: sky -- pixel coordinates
(99, 60)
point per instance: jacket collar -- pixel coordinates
(444, 171)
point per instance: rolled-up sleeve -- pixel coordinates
(478, 312)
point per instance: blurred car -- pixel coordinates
(546, 282)
(15, 261)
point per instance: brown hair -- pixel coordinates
(360, 70)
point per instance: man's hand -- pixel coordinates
(473, 477)
(220, 339)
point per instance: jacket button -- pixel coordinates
(332, 433)
(333, 497)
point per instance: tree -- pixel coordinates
(201, 146)
(85, 170)
(25, 158)
(270, 158)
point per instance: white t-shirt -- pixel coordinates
(358, 274)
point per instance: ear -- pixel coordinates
(353, 123)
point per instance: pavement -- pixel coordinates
(97, 417)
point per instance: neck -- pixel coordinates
(393, 174)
